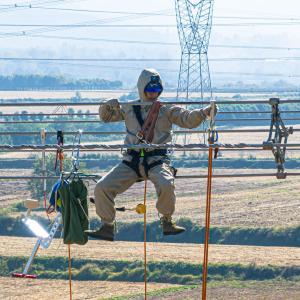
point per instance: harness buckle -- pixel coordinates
(140, 136)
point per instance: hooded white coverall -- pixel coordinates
(121, 177)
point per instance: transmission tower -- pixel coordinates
(194, 22)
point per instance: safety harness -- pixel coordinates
(137, 155)
(145, 135)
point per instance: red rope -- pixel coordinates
(207, 224)
(70, 271)
(145, 240)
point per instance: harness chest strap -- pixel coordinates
(146, 134)
(147, 127)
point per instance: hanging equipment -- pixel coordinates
(59, 151)
(277, 132)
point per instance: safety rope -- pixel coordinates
(60, 157)
(207, 224)
(212, 139)
(145, 239)
(140, 209)
(70, 270)
(43, 140)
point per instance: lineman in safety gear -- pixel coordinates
(147, 163)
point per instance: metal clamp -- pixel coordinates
(277, 132)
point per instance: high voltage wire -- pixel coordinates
(225, 59)
(44, 28)
(150, 42)
(162, 13)
(58, 27)
(9, 7)
(173, 71)
(166, 13)
(146, 25)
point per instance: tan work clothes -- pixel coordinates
(121, 177)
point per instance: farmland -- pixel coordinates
(267, 202)
(39, 289)
(236, 203)
(131, 251)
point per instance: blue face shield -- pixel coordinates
(154, 86)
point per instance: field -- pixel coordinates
(12, 288)
(97, 94)
(274, 290)
(59, 290)
(189, 253)
(243, 202)
(131, 251)
(266, 202)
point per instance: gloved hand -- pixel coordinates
(106, 109)
(207, 110)
(112, 103)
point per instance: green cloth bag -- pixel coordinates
(74, 212)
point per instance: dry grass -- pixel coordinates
(17, 289)
(252, 202)
(266, 290)
(131, 251)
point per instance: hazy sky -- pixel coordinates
(33, 46)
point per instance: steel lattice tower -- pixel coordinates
(194, 22)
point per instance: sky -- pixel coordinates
(47, 42)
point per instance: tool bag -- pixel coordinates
(74, 212)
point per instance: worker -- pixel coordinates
(138, 165)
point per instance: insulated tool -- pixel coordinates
(44, 237)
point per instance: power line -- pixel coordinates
(96, 114)
(224, 102)
(72, 133)
(169, 70)
(59, 121)
(15, 6)
(165, 13)
(44, 28)
(146, 25)
(147, 42)
(162, 13)
(225, 59)
(148, 146)
(251, 175)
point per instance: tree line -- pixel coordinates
(39, 82)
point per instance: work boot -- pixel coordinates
(169, 227)
(105, 232)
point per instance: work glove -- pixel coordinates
(207, 110)
(106, 109)
(112, 104)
